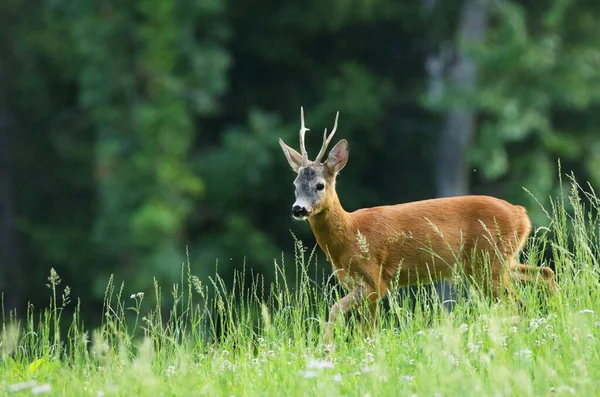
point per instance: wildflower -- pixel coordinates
(513, 329)
(337, 378)
(586, 311)
(22, 386)
(463, 328)
(45, 388)
(100, 393)
(309, 374)
(406, 378)
(383, 378)
(369, 359)
(170, 371)
(366, 369)
(525, 353)
(138, 295)
(319, 364)
(225, 353)
(565, 388)
(534, 324)
(597, 324)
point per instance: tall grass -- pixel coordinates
(267, 339)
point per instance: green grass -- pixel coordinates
(228, 341)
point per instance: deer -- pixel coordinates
(407, 244)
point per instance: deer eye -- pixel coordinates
(320, 186)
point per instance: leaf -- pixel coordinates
(36, 365)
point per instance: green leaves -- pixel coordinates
(537, 90)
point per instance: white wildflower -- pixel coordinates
(597, 324)
(586, 311)
(170, 371)
(406, 378)
(534, 324)
(366, 369)
(337, 378)
(463, 328)
(525, 353)
(45, 388)
(567, 389)
(369, 359)
(513, 329)
(309, 374)
(319, 364)
(22, 386)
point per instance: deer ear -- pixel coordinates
(293, 157)
(338, 157)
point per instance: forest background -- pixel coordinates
(132, 131)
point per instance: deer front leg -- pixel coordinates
(341, 307)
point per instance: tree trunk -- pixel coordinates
(452, 168)
(10, 282)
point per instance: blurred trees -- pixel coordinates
(140, 128)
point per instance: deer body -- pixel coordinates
(406, 244)
(420, 241)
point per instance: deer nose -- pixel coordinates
(299, 212)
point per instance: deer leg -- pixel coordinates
(532, 274)
(493, 280)
(341, 307)
(371, 314)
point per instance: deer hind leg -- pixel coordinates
(488, 274)
(373, 295)
(534, 274)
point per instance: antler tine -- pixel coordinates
(327, 139)
(303, 130)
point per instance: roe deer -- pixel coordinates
(423, 241)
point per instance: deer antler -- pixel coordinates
(327, 139)
(303, 130)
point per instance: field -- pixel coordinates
(227, 341)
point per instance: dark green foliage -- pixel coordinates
(142, 128)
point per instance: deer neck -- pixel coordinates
(333, 228)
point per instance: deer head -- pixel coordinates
(315, 183)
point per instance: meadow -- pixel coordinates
(245, 338)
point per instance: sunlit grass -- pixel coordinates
(219, 340)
